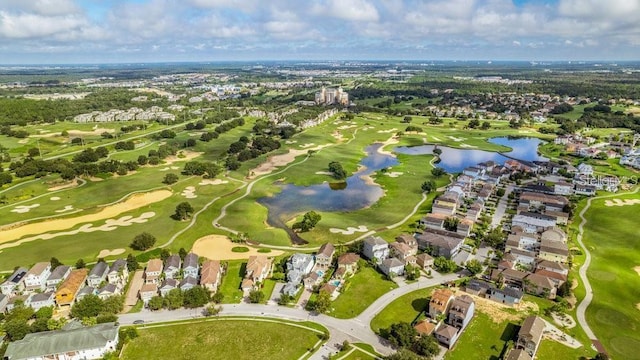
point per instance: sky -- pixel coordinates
(117, 31)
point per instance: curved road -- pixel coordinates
(355, 329)
(584, 304)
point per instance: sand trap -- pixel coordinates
(467, 146)
(164, 169)
(564, 320)
(54, 198)
(189, 192)
(289, 142)
(435, 138)
(96, 131)
(344, 127)
(456, 139)
(183, 155)
(524, 131)
(324, 173)
(637, 269)
(620, 202)
(213, 182)
(349, 231)
(387, 131)
(134, 202)
(306, 146)
(106, 252)
(21, 209)
(276, 161)
(338, 136)
(109, 225)
(390, 141)
(68, 185)
(394, 174)
(65, 209)
(218, 247)
(23, 141)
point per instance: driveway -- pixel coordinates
(132, 295)
(275, 294)
(501, 207)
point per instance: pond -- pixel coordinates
(357, 192)
(455, 160)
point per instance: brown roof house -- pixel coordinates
(210, 275)
(424, 260)
(258, 268)
(348, 263)
(461, 312)
(530, 335)
(324, 257)
(66, 294)
(153, 271)
(440, 301)
(147, 291)
(448, 335)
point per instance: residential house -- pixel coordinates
(475, 210)
(57, 276)
(98, 274)
(518, 354)
(434, 221)
(425, 327)
(107, 291)
(324, 257)
(533, 222)
(554, 234)
(506, 295)
(36, 277)
(168, 285)
(562, 218)
(298, 267)
(441, 243)
(14, 301)
(147, 291)
(424, 261)
(461, 312)
(539, 201)
(392, 267)
(563, 188)
(348, 264)
(524, 258)
(188, 283)
(153, 271)
(330, 289)
(540, 285)
(86, 290)
(552, 266)
(258, 268)
(585, 189)
(585, 169)
(407, 239)
(70, 344)
(172, 266)
(523, 241)
(14, 284)
(374, 247)
(530, 335)
(447, 335)
(553, 251)
(402, 251)
(211, 275)
(4, 300)
(39, 300)
(464, 227)
(439, 302)
(118, 273)
(67, 291)
(190, 267)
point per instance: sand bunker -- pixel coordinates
(344, 127)
(620, 202)
(183, 155)
(95, 131)
(349, 231)
(467, 146)
(306, 146)
(324, 173)
(109, 225)
(189, 192)
(456, 139)
(289, 142)
(338, 136)
(21, 209)
(276, 161)
(387, 131)
(435, 138)
(390, 141)
(218, 247)
(68, 185)
(54, 198)
(65, 209)
(564, 320)
(213, 182)
(134, 202)
(106, 252)
(637, 269)
(394, 174)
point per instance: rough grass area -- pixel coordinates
(222, 339)
(403, 309)
(240, 249)
(483, 339)
(230, 286)
(360, 291)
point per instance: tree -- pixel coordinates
(337, 170)
(195, 297)
(322, 304)
(285, 299)
(106, 318)
(184, 210)
(90, 306)
(451, 223)
(437, 172)
(401, 334)
(256, 296)
(486, 125)
(143, 160)
(426, 346)
(437, 151)
(212, 310)
(80, 264)
(183, 253)
(407, 119)
(33, 152)
(443, 265)
(170, 178)
(16, 329)
(309, 221)
(473, 124)
(403, 354)
(54, 263)
(495, 237)
(217, 297)
(143, 241)
(113, 304)
(500, 192)
(155, 303)
(132, 263)
(474, 266)
(174, 299)
(428, 186)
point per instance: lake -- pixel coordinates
(455, 160)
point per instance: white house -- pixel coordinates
(57, 276)
(374, 247)
(98, 274)
(36, 277)
(40, 300)
(190, 267)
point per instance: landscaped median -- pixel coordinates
(227, 338)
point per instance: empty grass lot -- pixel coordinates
(361, 290)
(230, 286)
(403, 309)
(222, 339)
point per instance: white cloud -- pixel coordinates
(351, 10)
(25, 25)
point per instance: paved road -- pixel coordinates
(355, 330)
(584, 304)
(501, 207)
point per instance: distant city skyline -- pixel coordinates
(123, 31)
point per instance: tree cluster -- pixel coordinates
(309, 221)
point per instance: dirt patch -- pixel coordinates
(637, 269)
(68, 185)
(106, 252)
(218, 247)
(387, 131)
(394, 174)
(276, 161)
(564, 320)
(620, 202)
(501, 312)
(184, 155)
(134, 202)
(324, 173)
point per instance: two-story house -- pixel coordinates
(461, 312)
(98, 274)
(172, 266)
(211, 275)
(324, 257)
(153, 271)
(191, 267)
(375, 248)
(439, 302)
(57, 276)
(67, 291)
(347, 264)
(36, 277)
(118, 273)
(530, 335)
(258, 268)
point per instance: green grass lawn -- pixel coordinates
(403, 309)
(230, 286)
(361, 290)
(267, 289)
(611, 236)
(483, 339)
(222, 339)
